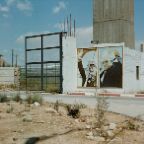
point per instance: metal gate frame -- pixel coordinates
(42, 62)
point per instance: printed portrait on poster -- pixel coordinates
(87, 67)
(110, 67)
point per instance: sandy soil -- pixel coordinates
(15, 129)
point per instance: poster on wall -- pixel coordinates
(87, 69)
(110, 67)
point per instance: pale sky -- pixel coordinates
(19, 18)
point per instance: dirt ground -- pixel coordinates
(18, 122)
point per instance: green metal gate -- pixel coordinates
(43, 62)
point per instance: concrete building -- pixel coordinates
(113, 22)
(132, 69)
(8, 75)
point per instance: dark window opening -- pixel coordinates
(137, 72)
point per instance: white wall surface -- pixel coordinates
(129, 70)
(142, 72)
(133, 58)
(69, 64)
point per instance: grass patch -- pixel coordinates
(3, 98)
(52, 89)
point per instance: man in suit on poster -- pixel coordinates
(111, 76)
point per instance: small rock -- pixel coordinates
(116, 140)
(96, 138)
(112, 126)
(99, 139)
(106, 128)
(41, 121)
(70, 123)
(77, 120)
(90, 133)
(27, 118)
(90, 137)
(82, 119)
(110, 133)
(96, 133)
(36, 104)
(88, 126)
(21, 131)
(50, 110)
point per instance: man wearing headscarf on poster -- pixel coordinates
(80, 67)
(89, 73)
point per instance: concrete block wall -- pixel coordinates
(7, 75)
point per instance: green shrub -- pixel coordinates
(3, 98)
(17, 98)
(73, 110)
(34, 98)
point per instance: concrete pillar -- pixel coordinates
(113, 21)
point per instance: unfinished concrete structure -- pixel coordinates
(113, 21)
